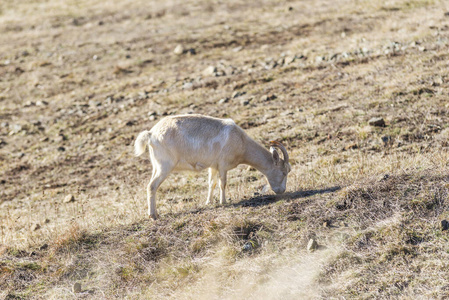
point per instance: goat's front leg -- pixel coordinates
(212, 183)
(223, 187)
(158, 177)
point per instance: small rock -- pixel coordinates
(95, 57)
(209, 71)
(386, 139)
(379, 122)
(237, 49)
(191, 51)
(312, 245)
(444, 225)
(179, 50)
(187, 86)
(325, 224)
(41, 103)
(265, 98)
(35, 227)
(16, 128)
(29, 103)
(77, 287)
(223, 100)
(237, 94)
(351, 146)
(4, 124)
(289, 59)
(69, 198)
(61, 149)
(244, 102)
(247, 247)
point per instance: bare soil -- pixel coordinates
(79, 81)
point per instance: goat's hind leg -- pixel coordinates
(212, 183)
(159, 175)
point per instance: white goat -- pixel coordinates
(197, 142)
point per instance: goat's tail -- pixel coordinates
(141, 143)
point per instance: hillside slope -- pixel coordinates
(79, 81)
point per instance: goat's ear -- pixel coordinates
(275, 155)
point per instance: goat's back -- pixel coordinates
(198, 138)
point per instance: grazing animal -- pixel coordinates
(197, 142)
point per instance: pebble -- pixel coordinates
(35, 227)
(41, 103)
(237, 94)
(77, 287)
(444, 225)
(179, 50)
(16, 128)
(244, 102)
(379, 122)
(312, 245)
(209, 71)
(223, 100)
(69, 198)
(247, 247)
(187, 86)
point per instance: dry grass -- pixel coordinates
(79, 79)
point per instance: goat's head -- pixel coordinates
(277, 176)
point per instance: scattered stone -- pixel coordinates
(209, 71)
(190, 51)
(95, 57)
(384, 177)
(237, 49)
(93, 103)
(35, 227)
(77, 287)
(444, 225)
(265, 98)
(379, 122)
(351, 146)
(69, 198)
(312, 245)
(179, 50)
(223, 100)
(386, 139)
(237, 94)
(4, 124)
(187, 86)
(29, 103)
(152, 113)
(16, 128)
(289, 59)
(325, 224)
(244, 102)
(248, 246)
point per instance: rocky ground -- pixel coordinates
(356, 91)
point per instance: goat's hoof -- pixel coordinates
(153, 217)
